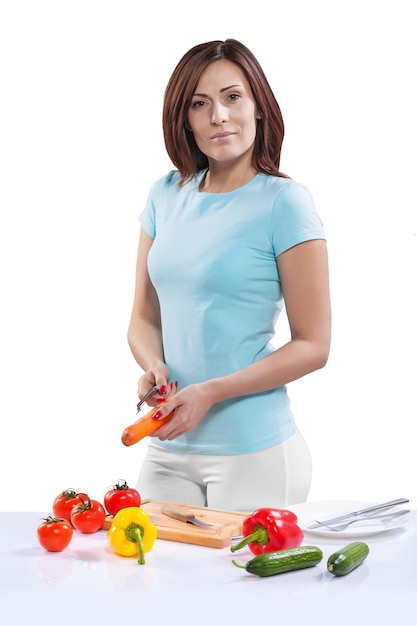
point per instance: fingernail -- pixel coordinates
(157, 415)
(162, 389)
(176, 383)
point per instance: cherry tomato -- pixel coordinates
(54, 534)
(120, 497)
(89, 516)
(65, 502)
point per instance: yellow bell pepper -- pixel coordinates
(131, 533)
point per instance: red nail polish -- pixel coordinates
(162, 389)
(176, 383)
(157, 415)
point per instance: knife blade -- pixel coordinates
(189, 518)
(371, 509)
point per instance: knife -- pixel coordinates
(371, 509)
(182, 516)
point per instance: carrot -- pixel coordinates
(144, 426)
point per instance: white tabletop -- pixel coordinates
(197, 585)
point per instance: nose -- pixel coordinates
(219, 113)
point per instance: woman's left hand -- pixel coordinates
(190, 404)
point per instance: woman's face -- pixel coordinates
(223, 113)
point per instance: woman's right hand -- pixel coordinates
(157, 376)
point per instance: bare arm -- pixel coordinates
(144, 333)
(304, 277)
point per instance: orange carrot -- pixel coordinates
(144, 426)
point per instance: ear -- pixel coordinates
(258, 115)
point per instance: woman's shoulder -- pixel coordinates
(280, 183)
(167, 181)
(280, 190)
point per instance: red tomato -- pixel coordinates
(54, 534)
(120, 497)
(65, 502)
(89, 516)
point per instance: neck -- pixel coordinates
(221, 178)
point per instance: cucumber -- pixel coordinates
(348, 558)
(272, 563)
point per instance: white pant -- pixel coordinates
(275, 477)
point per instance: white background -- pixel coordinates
(81, 85)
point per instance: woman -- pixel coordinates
(226, 240)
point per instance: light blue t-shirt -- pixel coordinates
(213, 264)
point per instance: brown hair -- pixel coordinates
(179, 141)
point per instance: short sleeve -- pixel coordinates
(147, 218)
(294, 218)
(158, 194)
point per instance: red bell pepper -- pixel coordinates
(270, 530)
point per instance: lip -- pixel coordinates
(221, 136)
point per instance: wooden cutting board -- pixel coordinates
(226, 524)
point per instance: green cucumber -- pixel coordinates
(272, 563)
(348, 558)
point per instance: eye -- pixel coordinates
(197, 104)
(233, 96)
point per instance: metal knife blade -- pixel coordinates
(371, 509)
(183, 517)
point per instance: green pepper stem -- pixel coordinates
(137, 537)
(259, 535)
